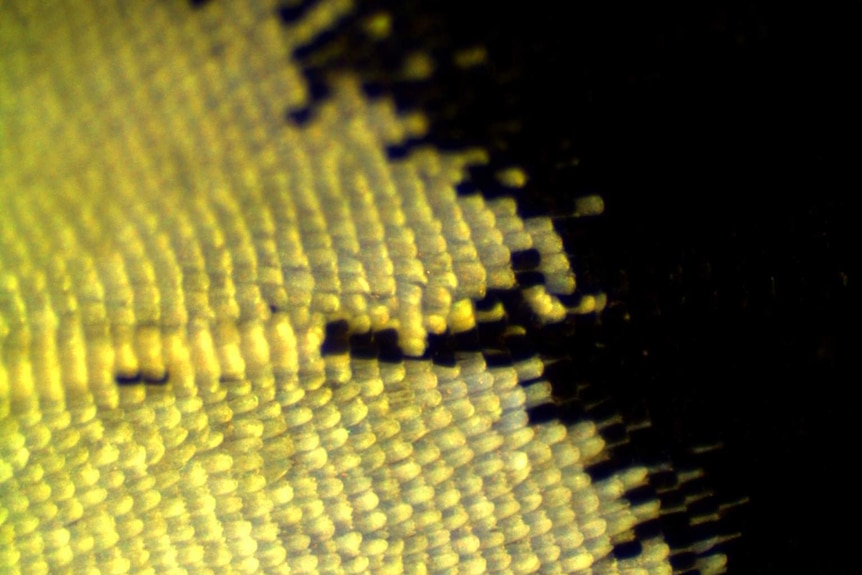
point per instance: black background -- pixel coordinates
(723, 137)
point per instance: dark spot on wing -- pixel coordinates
(628, 550)
(128, 378)
(300, 116)
(290, 12)
(526, 260)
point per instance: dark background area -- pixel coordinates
(724, 139)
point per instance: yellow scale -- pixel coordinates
(161, 220)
